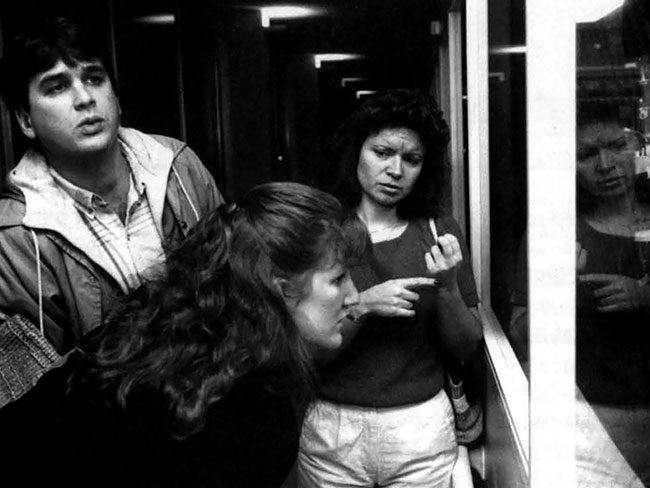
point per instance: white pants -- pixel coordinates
(349, 446)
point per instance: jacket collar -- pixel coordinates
(48, 207)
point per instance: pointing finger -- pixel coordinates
(417, 282)
(597, 277)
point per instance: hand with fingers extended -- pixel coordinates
(617, 293)
(443, 261)
(393, 298)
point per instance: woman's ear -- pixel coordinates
(280, 285)
(25, 123)
(283, 287)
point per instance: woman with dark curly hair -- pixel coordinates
(382, 417)
(198, 379)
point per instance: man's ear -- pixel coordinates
(25, 123)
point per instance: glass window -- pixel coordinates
(508, 183)
(613, 242)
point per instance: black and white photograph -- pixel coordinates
(325, 244)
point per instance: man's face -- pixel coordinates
(73, 111)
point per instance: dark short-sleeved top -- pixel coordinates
(396, 361)
(612, 349)
(250, 439)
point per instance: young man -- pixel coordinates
(91, 207)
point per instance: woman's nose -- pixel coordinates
(395, 166)
(352, 294)
(604, 161)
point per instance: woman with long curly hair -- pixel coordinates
(199, 377)
(382, 417)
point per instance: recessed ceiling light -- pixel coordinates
(285, 12)
(159, 19)
(327, 57)
(363, 93)
(345, 81)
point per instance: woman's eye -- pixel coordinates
(381, 153)
(618, 145)
(585, 154)
(339, 279)
(413, 161)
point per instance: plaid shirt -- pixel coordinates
(133, 246)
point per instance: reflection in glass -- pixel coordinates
(508, 153)
(613, 251)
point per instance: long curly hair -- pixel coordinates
(392, 109)
(216, 313)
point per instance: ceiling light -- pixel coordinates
(321, 58)
(285, 12)
(362, 93)
(345, 81)
(158, 19)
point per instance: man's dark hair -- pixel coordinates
(393, 109)
(39, 46)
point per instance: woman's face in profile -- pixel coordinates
(320, 312)
(605, 159)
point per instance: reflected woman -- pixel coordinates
(197, 380)
(613, 300)
(382, 417)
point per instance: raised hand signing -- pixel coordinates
(443, 261)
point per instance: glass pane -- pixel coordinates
(508, 195)
(148, 67)
(613, 243)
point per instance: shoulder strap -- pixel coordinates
(434, 231)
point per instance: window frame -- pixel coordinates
(539, 414)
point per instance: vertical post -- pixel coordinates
(550, 81)
(478, 143)
(455, 115)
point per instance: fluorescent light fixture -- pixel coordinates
(593, 10)
(328, 57)
(345, 81)
(500, 50)
(158, 19)
(285, 12)
(361, 93)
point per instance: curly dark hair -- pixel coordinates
(215, 314)
(413, 110)
(39, 46)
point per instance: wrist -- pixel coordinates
(448, 291)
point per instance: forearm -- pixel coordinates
(459, 328)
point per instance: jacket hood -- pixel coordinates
(34, 200)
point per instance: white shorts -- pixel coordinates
(350, 446)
